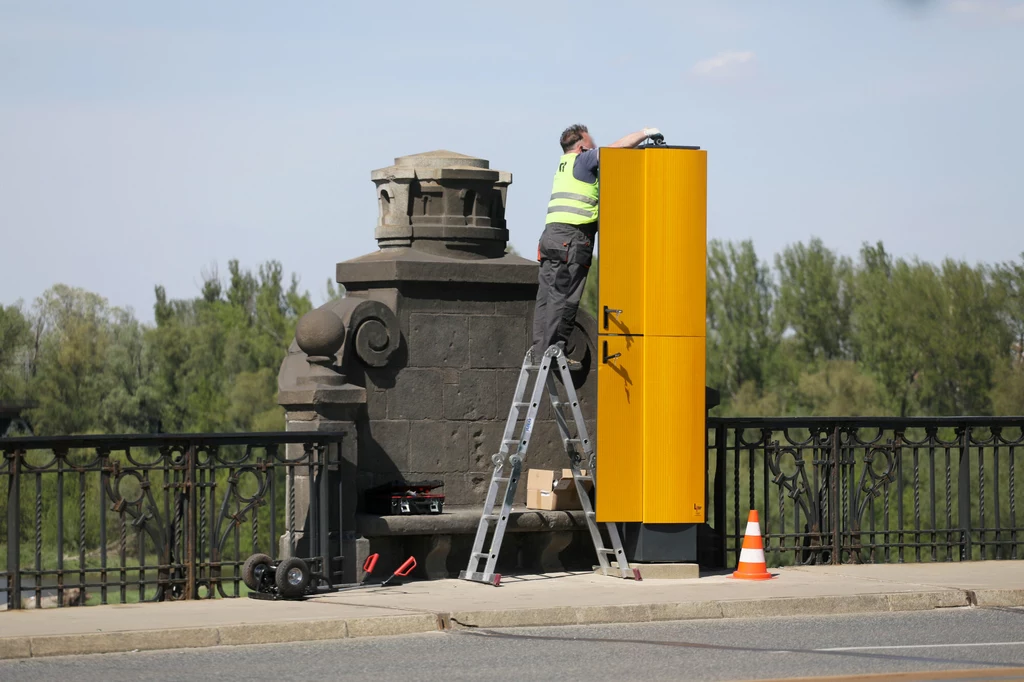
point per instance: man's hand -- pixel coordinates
(635, 139)
(654, 134)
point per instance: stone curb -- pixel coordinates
(224, 635)
(996, 597)
(741, 608)
(300, 631)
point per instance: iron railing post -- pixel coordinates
(338, 458)
(323, 452)
(14, 532)
(720, 502)
(191, 527)
(833, 503)
(312, 535)
(964, 494)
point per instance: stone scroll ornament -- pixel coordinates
(373, 331)
(361, 329)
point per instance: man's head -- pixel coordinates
(576, 139)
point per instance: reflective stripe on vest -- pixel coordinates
(572, 202)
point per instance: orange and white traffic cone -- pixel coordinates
(752, 565)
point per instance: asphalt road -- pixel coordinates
(980, 643)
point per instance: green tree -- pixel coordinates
(837, 388)
(886, 338)
(334, 291)
(815, 300)
(1009, 283)
(963, 337)
(1008, 390)
(216, 357)
(1008, 379)
(741, 342)
(129, 403)
(15, 340)
(73, 339)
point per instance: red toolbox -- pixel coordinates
(405, 498)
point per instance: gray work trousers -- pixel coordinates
(565, 253)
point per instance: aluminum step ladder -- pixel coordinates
(533, 379)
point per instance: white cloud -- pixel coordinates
(722, 61)
(1002, 10)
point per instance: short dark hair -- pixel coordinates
(572, 135)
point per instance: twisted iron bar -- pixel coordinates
(81, 527)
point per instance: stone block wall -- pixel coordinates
(441, 413)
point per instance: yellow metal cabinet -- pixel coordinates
(653, 244)
(675, 248)
(673, 446)
(651, 336)
(622, 205)
(620, 400)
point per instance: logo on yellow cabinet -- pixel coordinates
(697, 508)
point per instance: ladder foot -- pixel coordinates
(487, 579)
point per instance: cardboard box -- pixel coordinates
(552, 490)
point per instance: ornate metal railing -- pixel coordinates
(114, 519)
(851, 490)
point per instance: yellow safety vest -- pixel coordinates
(572, 202)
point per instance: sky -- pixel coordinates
(145, 143)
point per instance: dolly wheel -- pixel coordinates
(250, 574)
(292, 577)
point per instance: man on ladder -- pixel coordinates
(565, 252)
(566, 246)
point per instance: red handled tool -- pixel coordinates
(402, 571)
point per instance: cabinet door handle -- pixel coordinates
(609, 311)
(605, 357)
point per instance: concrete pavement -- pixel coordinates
(553, 599)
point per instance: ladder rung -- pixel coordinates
(491, 517)
(501, 479)
(521, 404)
(584, 478)
(604, 550)
(480, 555)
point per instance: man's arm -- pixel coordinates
(634, 139)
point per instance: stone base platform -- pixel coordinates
(535, 542)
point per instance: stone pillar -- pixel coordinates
(433, 329)
(317, 396)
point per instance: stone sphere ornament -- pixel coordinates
(320, 333)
